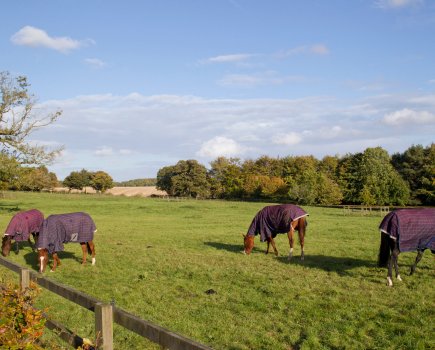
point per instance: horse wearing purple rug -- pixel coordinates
(64, 228)
(274, 219)
(405, 230)
(21, 226)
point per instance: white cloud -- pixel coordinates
(35, 37)
(95, 62)
(408, 116)
(288, 139)
(257, 79)
(234, 58)
(316, 49)
(394, 4)
(104, 152)
(220, 146)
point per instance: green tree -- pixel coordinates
(18, 121)
(187, 178)
(77, 180)
(36, 179)
(417, 167)
(9, 171)
(101, 181)
(226, 178)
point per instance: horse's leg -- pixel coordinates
(395, 255)
(390, 271)
(301, 234)
(268, 245)
(91, 246)
(271, 241)
(417, 259)
(85, 252)
(291, 241)
(56, 261)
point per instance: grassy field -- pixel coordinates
(157, 258)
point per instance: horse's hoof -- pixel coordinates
(389, 282)
(399, 278)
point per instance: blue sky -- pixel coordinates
(143, 84)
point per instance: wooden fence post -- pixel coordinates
(104, 326)
(25, 279)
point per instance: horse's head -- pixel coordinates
(248, 242)
(42, 259)
(6, 245)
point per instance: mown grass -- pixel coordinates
(158, 258)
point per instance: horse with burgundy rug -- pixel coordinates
(64, 228)
(405, 230)
(274, 219)
(21, 226)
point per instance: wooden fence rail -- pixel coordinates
(105, 315)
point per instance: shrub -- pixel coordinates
(20, 324)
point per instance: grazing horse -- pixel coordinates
(274, 219)
(20, 227)
(405, 230)
(64, 228)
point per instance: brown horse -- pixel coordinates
(63, 228)
(274, 219)
(21, 226)
(405, 230)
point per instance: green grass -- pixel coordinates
(157, 258)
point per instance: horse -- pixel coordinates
(274, 219)
(64, 228)
(21, 226)
(405, 230)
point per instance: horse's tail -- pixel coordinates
(384, 250)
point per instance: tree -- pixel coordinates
(36, 179)
(101, 181)
(78, 180)
(417, 167)
(18, 121)
(226, 177)
(9, 170)
(187, 178)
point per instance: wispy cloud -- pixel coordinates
(233, 58)
(317, 49)
(35, 37)
(396, 4)
(95, 63)
(257, 79)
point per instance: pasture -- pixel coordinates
(179, 264)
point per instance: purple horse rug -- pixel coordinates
(64, 228)
(23, 224)
(414, 229)
(275, 219)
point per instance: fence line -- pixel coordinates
(105, 315)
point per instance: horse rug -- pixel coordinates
(24, 223)
(275, 219)
(64, 228)
(414, 229)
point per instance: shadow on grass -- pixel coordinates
(234, 248)
(327, 263)
(31, 258)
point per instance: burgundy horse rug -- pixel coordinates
(275, 219)
(23, 224)
(64, 228)
(413, 229)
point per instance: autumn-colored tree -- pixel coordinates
(101, 181)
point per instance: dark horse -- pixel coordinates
(64, 228)
(274, 219)
(21, 226)
(405, 230)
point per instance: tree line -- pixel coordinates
(372, 177)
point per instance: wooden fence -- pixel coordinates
(365, 210)
(105, 315)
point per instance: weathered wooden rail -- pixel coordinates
(105, 315)
(365, 210)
